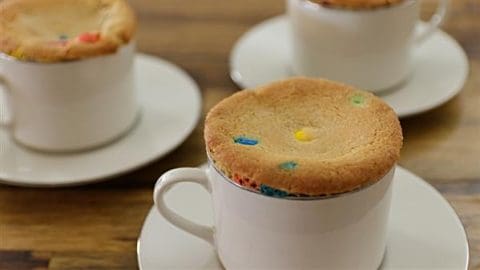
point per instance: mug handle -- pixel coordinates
(435, 22)
(5, 120)
(168, 180)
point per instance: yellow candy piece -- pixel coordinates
(304, 135)
(17, 53)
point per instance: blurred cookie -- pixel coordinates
(62, 30)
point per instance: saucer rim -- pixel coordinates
(72, 181)
(419, 181)
(237, 78)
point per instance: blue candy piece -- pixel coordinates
(245, 141)
(289, 166)
(272, 192)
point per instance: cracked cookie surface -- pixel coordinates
(304, 137)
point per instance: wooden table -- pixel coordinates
(96, 226)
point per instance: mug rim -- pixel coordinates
(316, 6)
(8, 58)
(299, 198)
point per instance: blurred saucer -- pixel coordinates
(424, 231)
(170, 103)
(440, 66)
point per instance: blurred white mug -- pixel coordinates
(69, 106)
(368, 48)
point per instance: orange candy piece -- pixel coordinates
(89, 37)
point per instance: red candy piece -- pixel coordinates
(89, 37)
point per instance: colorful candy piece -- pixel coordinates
(245, 141)
(63, 37)
(245, 181)
(304, 135)
(272, 192)
(89, 37)
(288, 166)
(61, 41)
(358, 100)
(18, 53)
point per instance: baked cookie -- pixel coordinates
(356, 4)
(63, 30)
(303, 137)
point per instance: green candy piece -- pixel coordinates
(358, 100)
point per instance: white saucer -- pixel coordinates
(170, 104)
(424, 233)
(440, 65)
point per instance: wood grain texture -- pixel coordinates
(96, 226)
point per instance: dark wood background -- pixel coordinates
(96, 226)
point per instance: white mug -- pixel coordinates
(368, 48)
(69, 106)
(255, 231)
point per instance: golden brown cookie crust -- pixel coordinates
(314, 137)
(356, 4)
(64, 30)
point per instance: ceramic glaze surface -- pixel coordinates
(70, 106)
(170, 102)
(415, 240)
(370, 49)
(440, 56)
(344, 231)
